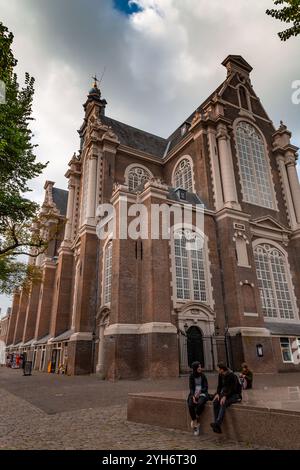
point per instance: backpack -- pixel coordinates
(238, 385)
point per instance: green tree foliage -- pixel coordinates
(17, 167)
(289, 13)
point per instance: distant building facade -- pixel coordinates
(128, 308)
(4, 322)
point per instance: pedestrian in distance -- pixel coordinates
(198, 395)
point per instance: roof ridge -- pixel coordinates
(199, 107)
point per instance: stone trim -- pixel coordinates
(140, 329)
(254, 115)
(81, 336)
(232, 214)
(249, 331)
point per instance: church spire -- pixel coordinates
(95, 91)
(94, 96)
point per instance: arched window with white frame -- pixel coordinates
(136, 176)
(107, 273)
(275, 283)
(254, 166)
(190, 266)
(183, 175)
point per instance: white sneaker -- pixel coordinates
(197, 430)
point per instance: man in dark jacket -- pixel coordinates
(228, 392)
(198, 395)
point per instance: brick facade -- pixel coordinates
(144, 330)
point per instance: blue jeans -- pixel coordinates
(219, 410)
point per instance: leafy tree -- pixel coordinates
(289, 13)
(17, 167)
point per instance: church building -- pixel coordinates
(145, 307)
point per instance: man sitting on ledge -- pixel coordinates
(229, 391)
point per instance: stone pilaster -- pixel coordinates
(13, 318)
(45, 299)
(294, 184)
(32, 310)
(287, 192)
(91, 195)
(70, 212)
(227, 170)
(20, 322)
(215, 168)
(61, 301)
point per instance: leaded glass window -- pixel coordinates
(137, 177)
(272, 275)
(190, 266)
(255, 175)
(183, 177)
(107, 273)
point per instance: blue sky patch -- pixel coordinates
(126, 8)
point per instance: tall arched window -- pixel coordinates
(107, 273)
(190, 266)
(255, 175)
(274, 282)
(136, 177)
(183, 176)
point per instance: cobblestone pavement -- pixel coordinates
(33, 417)
(24, 426)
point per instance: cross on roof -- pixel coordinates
(96, 81)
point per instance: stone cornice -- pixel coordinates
(277, 226)
(233, 214)
(86, 228)
(283, 150)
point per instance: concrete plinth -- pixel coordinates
(259, 420)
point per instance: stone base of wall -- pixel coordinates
(80, 357)
(153, 355)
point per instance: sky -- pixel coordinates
(160, 58)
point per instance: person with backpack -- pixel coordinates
(229, 391)
(246, 377)
(198, 395)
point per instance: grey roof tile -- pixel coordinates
(289, 329)
(137, 138)
(60, 198)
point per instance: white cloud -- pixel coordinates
(161, 63)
